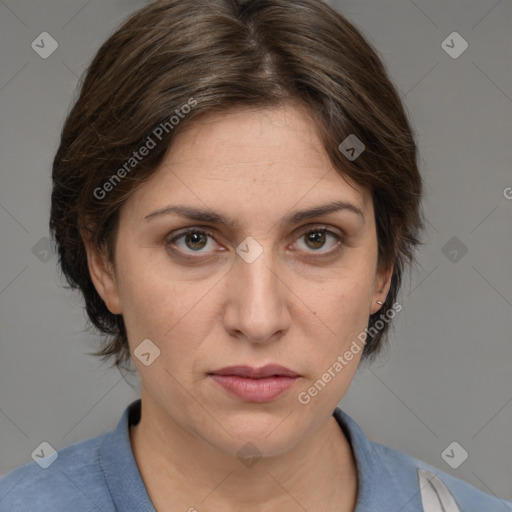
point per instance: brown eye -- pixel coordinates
(316, 239)
(193, 240)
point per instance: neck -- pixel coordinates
(318, 473)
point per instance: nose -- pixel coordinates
(257, 308)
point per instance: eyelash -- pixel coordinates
(316, 229)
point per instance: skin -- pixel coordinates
(291, 306)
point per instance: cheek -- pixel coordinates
(342, 314)
(172, 313)
(150, 304)
(344, 302)
(342, 308)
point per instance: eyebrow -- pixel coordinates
(292, 218)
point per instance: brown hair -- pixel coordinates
(215, 55)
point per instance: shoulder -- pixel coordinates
(390, 479)
(468, 497)
(73, 480)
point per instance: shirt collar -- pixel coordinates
(378, 486)
(119, 466)
(129, 493)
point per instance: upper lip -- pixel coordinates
(248, 371)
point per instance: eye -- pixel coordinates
(316, 238)
(193, 239)
(198, 241)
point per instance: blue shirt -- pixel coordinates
(101, 475)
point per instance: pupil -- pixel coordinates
(318, 239)
(193, 237)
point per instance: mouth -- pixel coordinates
(269, 370)
(255, 384)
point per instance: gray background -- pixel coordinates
(447, 376)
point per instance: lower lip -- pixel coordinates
(255, 390)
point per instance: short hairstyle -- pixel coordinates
(174, 60)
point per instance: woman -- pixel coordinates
(236, 195)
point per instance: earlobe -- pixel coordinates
(103, 278)
(381, 288)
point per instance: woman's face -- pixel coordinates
(254, 289)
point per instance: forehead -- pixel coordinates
(282, 137)
(250, 160)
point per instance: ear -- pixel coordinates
(103, 276)
(381, 287)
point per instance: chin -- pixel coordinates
(270, 434)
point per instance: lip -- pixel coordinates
(268, 370)
(255, 384)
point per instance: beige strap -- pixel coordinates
(435, 496)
